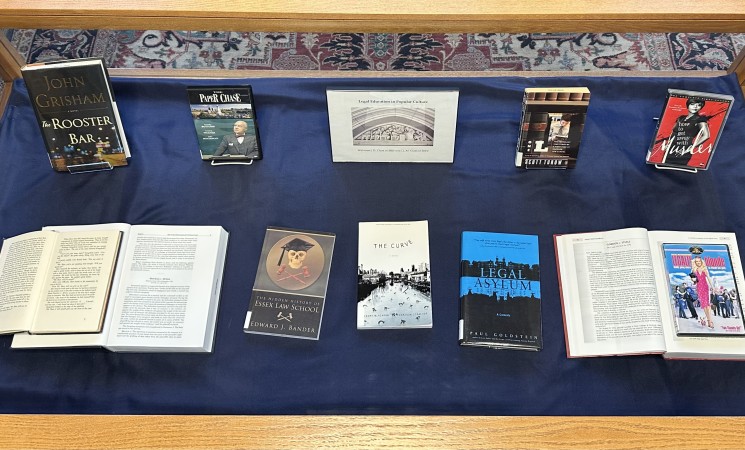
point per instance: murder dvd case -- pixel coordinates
(551, 127)
(500, 291)
(688, 130)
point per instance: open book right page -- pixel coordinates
(699, 285)
(608, 294)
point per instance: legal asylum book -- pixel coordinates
(551, 127)
(500, 291)
(225, 123)
(393, 276)
(77, 114)
(289, 291)
(143, 288)
(688, 130)
(633, 291)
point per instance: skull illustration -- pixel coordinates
(296, 258)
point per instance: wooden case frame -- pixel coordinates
(439, 16)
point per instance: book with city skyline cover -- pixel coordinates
(393, 276)
(500, 291)
(77, 114)
(620, 293)
(144, 288)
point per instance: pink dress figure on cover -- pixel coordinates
(702, 288)
(703, 285)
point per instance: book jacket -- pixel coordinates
(291, 280)
(75, 108)
(393, 276)
(689, 129)
(225, 122)
(500, 291)
(551, 127)
(704, 299)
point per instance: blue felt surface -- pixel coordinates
(296, 185)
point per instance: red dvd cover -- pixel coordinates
(689, 129)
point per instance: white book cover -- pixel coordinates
(393, 276)
(392, 125)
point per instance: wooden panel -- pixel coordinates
(10, 60)
(428, 432)
(379, 16)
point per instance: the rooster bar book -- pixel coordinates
(500, 291)
(77, 114)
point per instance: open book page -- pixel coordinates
(167, 299)
(698, 327)
(77, 286)
(23, 262)
(608, 294)
(25, 340)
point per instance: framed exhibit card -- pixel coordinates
(392, 125)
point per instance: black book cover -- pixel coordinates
(500, 291)
(551, 127)
(75, 108)
(290, 287)
(225, 122)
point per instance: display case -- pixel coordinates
(583, 430)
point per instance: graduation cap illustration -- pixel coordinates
(296, 244)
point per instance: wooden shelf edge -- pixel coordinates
(278, 432)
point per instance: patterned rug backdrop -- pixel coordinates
(384, 51)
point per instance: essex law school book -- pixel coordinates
(141, 288)
(500, 291)
(77, 114)
(633, 291)
(290, 287)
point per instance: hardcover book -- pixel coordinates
(128, 288)
(79, 120)
(551, 127)
(633, 291)
(290, 287)
(688, 130)
(393, 276)
(225, 122)
(392, 125)
(500, 291)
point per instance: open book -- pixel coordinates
(123, 287)
(634, 291)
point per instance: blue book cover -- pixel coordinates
(500, 291)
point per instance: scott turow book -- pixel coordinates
(500, 291)
(551, 127)
(79, 120)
